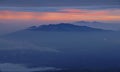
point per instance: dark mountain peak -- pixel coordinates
(63, 27)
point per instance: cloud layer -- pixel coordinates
(7, 44)
(9, 67)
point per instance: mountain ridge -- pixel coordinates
(64, 27)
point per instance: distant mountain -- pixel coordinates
(64, 27)
(100, 25)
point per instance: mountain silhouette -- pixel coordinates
(63, 27)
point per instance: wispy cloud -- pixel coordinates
(10, 67)
(6, 44)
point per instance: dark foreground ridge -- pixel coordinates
(67, 27)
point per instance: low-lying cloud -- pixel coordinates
(6, 44)
(10, 67)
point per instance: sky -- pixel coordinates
(57, 2)
(19, 14)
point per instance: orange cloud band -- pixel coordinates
(62, 15)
